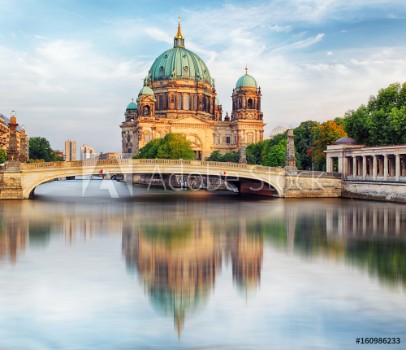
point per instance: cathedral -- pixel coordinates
(179, 96)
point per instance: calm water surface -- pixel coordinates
(88, 265)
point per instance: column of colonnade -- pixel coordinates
(384, 166)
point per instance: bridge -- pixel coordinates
(19, 180)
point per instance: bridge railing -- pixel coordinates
(102, 162)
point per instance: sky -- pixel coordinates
(69, 68)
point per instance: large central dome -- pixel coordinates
(179, 63)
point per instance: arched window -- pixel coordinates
(239, 103)
(146, 110)
(250, 103)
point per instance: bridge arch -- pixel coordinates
(33, 175)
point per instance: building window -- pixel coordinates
(160, 102)
(250, 103)
(186, 102)
(228, 140)
(179, 101)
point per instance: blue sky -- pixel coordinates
(69, 68)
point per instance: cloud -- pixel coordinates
(68, 83)
(301, 44)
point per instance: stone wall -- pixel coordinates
(384, 191)
(318, 185)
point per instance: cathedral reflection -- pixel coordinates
(178, 263)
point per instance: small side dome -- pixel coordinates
(146, 90)
(246, 80)
(132, 105)
(345, 141)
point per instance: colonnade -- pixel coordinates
(387, 163)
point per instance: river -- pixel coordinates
(103, 265)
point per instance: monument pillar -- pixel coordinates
(290, 164)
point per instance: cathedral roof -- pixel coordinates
(246, 80)
(146, 90)
(179, 63)
(132, 105)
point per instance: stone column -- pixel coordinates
(374, 168)
(364, 167)
(385, 167)
(397, 167)
(354, 166)
(329, 164)
(340, 165)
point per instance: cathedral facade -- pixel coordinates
(179, 96)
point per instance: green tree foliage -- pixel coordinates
(254, 152)
(150, 150)
(216, 156)
(3, 156)
(175, 146)
(324, 135)
(39, 148)
(269, 152)
(304, 140)
(382, 121)
(274, 151)
(172, 146)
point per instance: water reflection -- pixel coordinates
(178, 245)
(178, 261)
(13, 234)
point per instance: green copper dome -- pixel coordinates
(179, 63)
(246, 81)
(146, 90)
(132, 105)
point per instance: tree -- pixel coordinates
(3, 156)
(39, 148)
(254, 152)
(304, 139)
(150, 150)
(382, 121)
(172, 146)
(215, 156)
(324, 135)
(274, 151)
(233, 157)
(175, 146)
